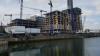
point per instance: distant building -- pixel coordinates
(38, 20)
(33, 18)
(75, 16)
(32, 22)
(60, 22)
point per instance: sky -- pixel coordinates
(90, 10)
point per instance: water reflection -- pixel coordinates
(44, 51)
(33, 52)
(48, 48)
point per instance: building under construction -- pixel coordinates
(74, 15)
(68, 20)
(60, 22)
(38, 21)
(22, 22)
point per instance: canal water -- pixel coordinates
(59, 47)
(32, 52)
(91, 48)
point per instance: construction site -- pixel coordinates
(54, 33)
(65, 21)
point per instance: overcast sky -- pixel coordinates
(90, 9)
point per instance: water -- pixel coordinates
(32, 52)
(91, 48)
(65, 47)
(37, 52)
(43, 51)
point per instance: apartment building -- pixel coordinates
(75, 16)
(59, 22)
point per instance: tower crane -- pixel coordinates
(70, 4)
(41, 11)
(51, 23)
(72, 16)
(21, 9)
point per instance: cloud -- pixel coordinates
(96, 3)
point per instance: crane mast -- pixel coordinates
(21, 9)
(71, 15)
(70, 4)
